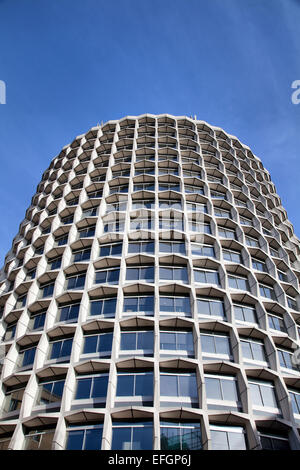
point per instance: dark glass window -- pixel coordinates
(180, 435)
(98, 344)
(104, 307)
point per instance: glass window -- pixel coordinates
(295, 401)
(215, 345)
(144, 187)
(233, 256)
(227, 438)
(267, 291)
(68, 312)
(109, 276)
(226, 233)
(115, 226)
(47, 290)
(143, 204)
(183, 385)
(170, 204)
(81, 255)
(176, 342)
(286, 360)
(76, 282)
(60, 349)
(140, 273)
(263, 395)
(292, 303)
(130, 384)
(37, 321)
(87, 232)
(172, 247)
(241, 283)
(92, 386)
(10, 332)
(84, 437)
(245, 313)
(202, 250)
(199, 227)
(194, 207)
(273, 442)
(253, 350)
(169, 187)
(171, 223)
(222, 213)
(139, 342)
(189, 188)
(13, 400)
(50, 392)
(180, 435)
(259, 265)
(276, 323)
(141, 305)
(173, 274)
(103, 307)
(141, 247)
(26, 357)
(132, 436)
(142, 223)
(39, 440)
(175, 305)
(206, 277)
(221, 388)
(211, 308)
(252, 241)
(55, 263)
(98, 344)
(111, 250)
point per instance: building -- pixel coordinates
(151, 297)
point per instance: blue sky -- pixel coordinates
(69, 64)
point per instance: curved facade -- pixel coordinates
(151, 297)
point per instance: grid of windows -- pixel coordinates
(135, 276)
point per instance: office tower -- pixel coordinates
(151, 297)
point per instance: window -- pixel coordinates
(171, 222)
(199, 227)
(13, 399)
(202, 250)
(263, 397)
(207, 277)
(172, 247)
(136, 387)
(92, 212)
(116, 207)
(140, 305)
(10, 332)
(60, 349)
(179, 343)
(68, 219)
(222, 213)
(189, 188)
(226, 233)
(245, 313)
(76, 282)
(26, 357)
(143, 204)
(50, 392)
(252, 242)
(218, 195)
(137, 343)
(115, 226)
(92, 386)
(122, 188)
(274, 252)
(68, 312)
(276, 323)
(21, 301)
(210, 308)
(253, 351)
(179, 388)
(87, 437)
(180, 435)
(245, 221)
(215, 345)
(295, 401)
(141, 247)
(55, 263)
(59, 241)
(194, 207)
(175, 305)
(282, 276)
(170, 204)
(142, 223)
(227, 438)
(273, 442)
(221, 388)
(39, 440)
(233, 256)
(47, 289)
(292, 303)
(81, 255)
(140, 273)
(144, 187)
(236, 282)
(86, 232)
(109, 276)
(267, 291)
(103, 307)
(111, 250)
(259, 265)
(137, 435)
(37, 321)
(286, 360)
(98, 345)
(173, 273)
(169, 187)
